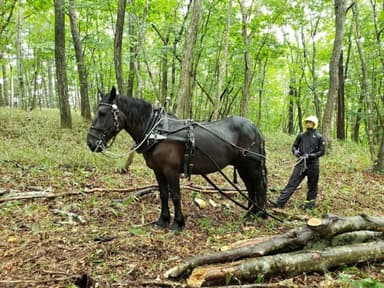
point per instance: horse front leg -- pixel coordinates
(164, 196)
(174, 188)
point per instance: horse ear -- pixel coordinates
(113, 94)
(100, 94)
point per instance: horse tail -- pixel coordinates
(263, 187)
(264, 170)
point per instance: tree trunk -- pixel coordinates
(364, 83)
(81, 69)
(35, 76)
(5, 85)
(132, 53)
(262, 73)
(185, 95)
(245, 15)
(51, 101)
(291, 95)
(61, 66)
(20, 58)
(118, 42)
(340, 131)
(222, 65)
(340, 11)
(163, 65)
(175, 58)
(286, 264)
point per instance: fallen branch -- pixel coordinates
(281, 284)
(36, 282)
(18, 195)
(292, 240)
(287, 264)
(140, 191)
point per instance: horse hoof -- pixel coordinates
(158, 225)
(176, 228)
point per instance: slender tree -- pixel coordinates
(132, 52)
(364, 83)
(5, 85)
(184, 98)
(20, 59)
(340, 11)
(61, 65)
(35, 80)
(118, 43)
(247, 38)
(340, 131)
(223, 62)
(81, 68)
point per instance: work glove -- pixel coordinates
(305, 156)
(297, 153)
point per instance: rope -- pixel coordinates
(235, 187)
(303, 160)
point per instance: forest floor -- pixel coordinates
(107, 235)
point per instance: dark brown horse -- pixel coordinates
(230, 141)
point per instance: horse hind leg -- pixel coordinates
(174, 190)
(253, 174)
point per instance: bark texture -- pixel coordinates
(184, 98)
(81, 69)
(308, 236)
(286, 264)
(340, 11)
(61, 65)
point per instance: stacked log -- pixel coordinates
(319, 245)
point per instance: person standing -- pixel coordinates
(308, 147)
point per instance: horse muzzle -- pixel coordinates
(95, 145)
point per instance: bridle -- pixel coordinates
(114, 129)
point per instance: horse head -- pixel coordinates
(106, 124)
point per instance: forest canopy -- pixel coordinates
(274, 62)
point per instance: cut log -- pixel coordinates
(286, 264)
(244, 243)
(314, 222)
(348, 238)
(292, 240)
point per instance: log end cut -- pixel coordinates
(314, 222)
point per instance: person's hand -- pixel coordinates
(297, 153)
(305, 156)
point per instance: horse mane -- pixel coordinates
(136, 110)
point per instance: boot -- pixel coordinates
(275, 203)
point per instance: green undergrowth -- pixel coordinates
(35, 138)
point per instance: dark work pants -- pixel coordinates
(297, 176)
